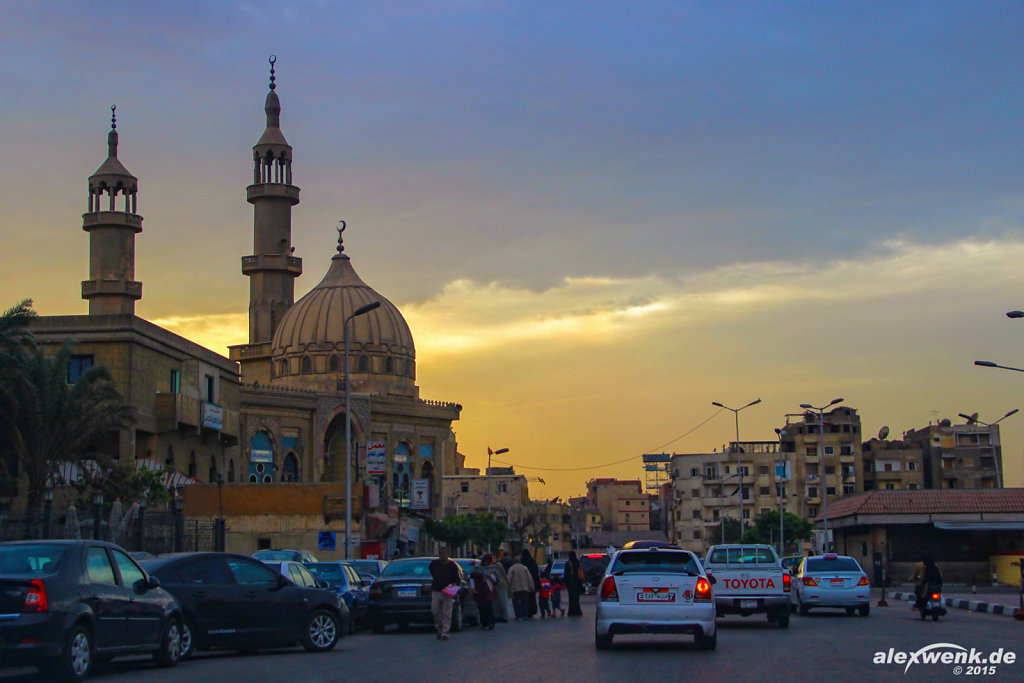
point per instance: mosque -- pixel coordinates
(263, 431)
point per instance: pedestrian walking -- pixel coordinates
(574, 579)
(556, 596)
(521, 582)
(545, 597)
(444, 591)
(484, 592)
(503, 611)
(531, 565)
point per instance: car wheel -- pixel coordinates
(801, 607)
(456, 617)
(603, 642)
(75, 661)
(935, 616)
(403, 625)
(170, 644)
(783, 621)
(707, 642)
(864, 610)
(188, 639)
(849, 611)
(377, 625)
(322, 632)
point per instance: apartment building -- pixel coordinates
(964, 456)
(892, 465)
(623, 504)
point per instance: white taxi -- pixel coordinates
(831, 580)
(655, 590)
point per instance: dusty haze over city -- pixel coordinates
(596, 217)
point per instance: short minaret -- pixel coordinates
(272, 269)
(111, 288)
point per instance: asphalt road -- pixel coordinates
(819, 647)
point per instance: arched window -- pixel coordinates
(282, 368)
(291, 468)
(334, 363)
(192, 464)
(213, 469)
(364, 364)
(231, 471)
(169, 460)
(389, 365)
(261, 459)
(306, 367)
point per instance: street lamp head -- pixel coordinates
(500, 451)
(986, 364)
(1015, 314)
(807, 406)
(753, 403)
(362, 310)
(716, 403)
(835, 401)
(1015, 410)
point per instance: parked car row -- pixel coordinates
(66, 605)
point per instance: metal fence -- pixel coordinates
(152, 532)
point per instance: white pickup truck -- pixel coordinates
(749, 579)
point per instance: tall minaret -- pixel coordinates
(272, 268)
(111, 287)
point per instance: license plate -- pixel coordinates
(748, 604)
(835, 581)
(406, 592)
(655, 595)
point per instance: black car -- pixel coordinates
(233, 601)
(593, 565)
(401, 595)
(64, 605)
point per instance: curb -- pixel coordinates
(970, 605)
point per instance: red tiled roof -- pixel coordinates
(928, 501)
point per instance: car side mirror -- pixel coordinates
(712, 580)
(281, 581)
(152, 582)
(324, 584)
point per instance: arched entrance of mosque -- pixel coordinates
(334, 450)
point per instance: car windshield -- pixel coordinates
(418, 569)
(655, 561)
(466, 564)
(558, 566)
(366, 567)
(326, 571)
(840, 564)
(275, 555)
(742, 555)
(40, 558)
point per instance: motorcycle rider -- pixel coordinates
(927, 580)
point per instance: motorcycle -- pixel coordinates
(932, 605)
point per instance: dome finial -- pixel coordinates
(113, 116)
(272, 60)
(341, 245)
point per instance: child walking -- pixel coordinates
(556, 596)
(545, 596)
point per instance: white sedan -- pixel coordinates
(831, 580)
(655, 590)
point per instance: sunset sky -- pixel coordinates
(597, 217)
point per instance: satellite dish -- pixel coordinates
(883, 433)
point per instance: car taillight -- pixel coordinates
(809, 581)
(35, 599)
(787, 583)
(935, 596)
(863, 581)
(608, 589)
(703, 590)
(376, 592)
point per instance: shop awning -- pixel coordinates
(980, 526)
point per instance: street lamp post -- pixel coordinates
(487, 476)
(97, 507)
(781, 483)
(143, 502)
(973, 419)
(362, 310)
(739, 463)
(821, 460)
(48, 510)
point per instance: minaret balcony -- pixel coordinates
(91, 288)
(278, 262)
(111, 218)
(272, 190)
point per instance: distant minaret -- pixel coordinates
(111, 287)
(272, 269)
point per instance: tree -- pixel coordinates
(533, 524)
(15, 337)
(487, 531)
(45, 421)
(765, 528)
(452, 530)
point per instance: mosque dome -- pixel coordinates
(308, 345)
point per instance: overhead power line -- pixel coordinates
(617, 462)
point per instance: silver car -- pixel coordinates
(655, 590)
(831, 580)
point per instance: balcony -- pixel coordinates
(812, 458)
(175, 411)
(847, 458)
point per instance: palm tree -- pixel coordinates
(43, 420)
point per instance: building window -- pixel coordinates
(389, 365)
(764, 469)
(213, 470)
(306, 365)
(812, 491)
(290, 469)
(627, 502)
(464, 487)
(364, 364)
(849, 489)
(192, 464)
(501, 487)
(746, 513)
(696, 514)
(744, 471)
(913, 486)
(77, 367)
(696, 533)
(175, 384)
(169, 460)
(694, 472)
(714, 515)
(726, 469)
(695, 493)
(209, 389)
(912, 466)
(764, 491)
(890, 486)
(812, 512)
(334, 364)
(764, 510)
(231, 471)
(831, 490)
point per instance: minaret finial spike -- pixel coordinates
(272, 60)
(113, 117)
(341, 246)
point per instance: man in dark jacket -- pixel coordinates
(445, 574)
